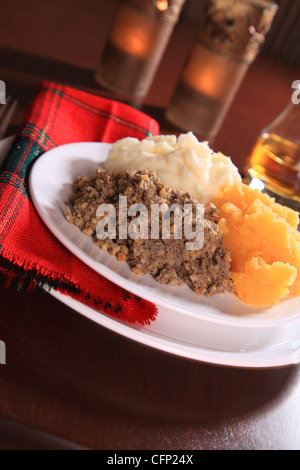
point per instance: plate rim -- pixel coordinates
(92, 314)
(203, 354)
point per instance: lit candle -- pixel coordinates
(229, 39)
(211, 77)
(131, 33)
(136, 43)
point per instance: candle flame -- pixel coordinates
(162, 5)
(204, 80)
(207, 82)
(137, 45)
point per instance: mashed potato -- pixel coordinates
(184, 163)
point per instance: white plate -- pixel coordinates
(204, 341)
(51, 185)
(219, 331)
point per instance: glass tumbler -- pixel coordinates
(230, 37)
(274, 162)
(137, 41)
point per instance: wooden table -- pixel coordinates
(71, 384)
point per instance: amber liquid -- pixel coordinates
(276, 162)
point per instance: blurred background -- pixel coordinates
(283, 40)
(73, 24)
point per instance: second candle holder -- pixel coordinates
(230, 37)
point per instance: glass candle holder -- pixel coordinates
(229, 39)
(137, 41)
(274, 162)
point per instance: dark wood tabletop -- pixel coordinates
(71, 384)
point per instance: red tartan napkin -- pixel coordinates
(30, 256)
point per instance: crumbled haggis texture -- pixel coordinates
(206, 271)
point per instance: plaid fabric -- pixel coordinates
(30, 256)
